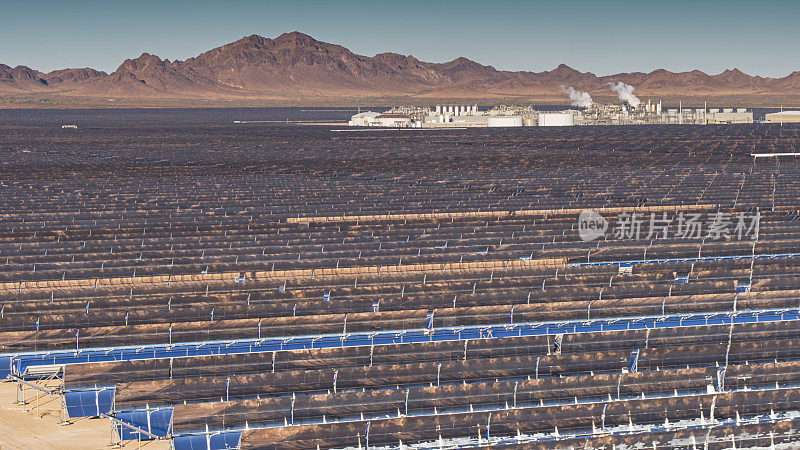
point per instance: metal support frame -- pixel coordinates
(39, 389)
(129, 426)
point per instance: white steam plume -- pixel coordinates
(579, 99)
(625, 92)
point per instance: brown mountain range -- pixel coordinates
(295, 68)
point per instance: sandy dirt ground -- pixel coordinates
(21, 429)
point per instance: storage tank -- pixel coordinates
(556, 119)
(505, 121)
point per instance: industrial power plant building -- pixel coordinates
(708, 116)
(462, 116)
(783, 117)
(373, 119)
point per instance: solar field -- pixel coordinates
(272, 286)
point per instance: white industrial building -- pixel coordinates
(556, 119)
(393, 120)
(504, 121)
(706, 116)
(783, 117)
(374, 119)
(364, 119)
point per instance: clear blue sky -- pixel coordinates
(601, 37)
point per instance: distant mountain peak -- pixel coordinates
(252, 40)
(21, 75)
(296, 37)
(77, 75)
(143, 62)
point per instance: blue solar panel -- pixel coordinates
(20, 362)
(5, 366)
(154, 422)
(381, 340)
(135, 418)
(80, 404)
(356, 341)
(634, 361)
(506, 333)
(327, 341)
(89, 403)
(693, 321)
(213, 442)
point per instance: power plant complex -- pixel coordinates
(630, 111)
(456, 116)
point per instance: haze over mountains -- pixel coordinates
(296, 68)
